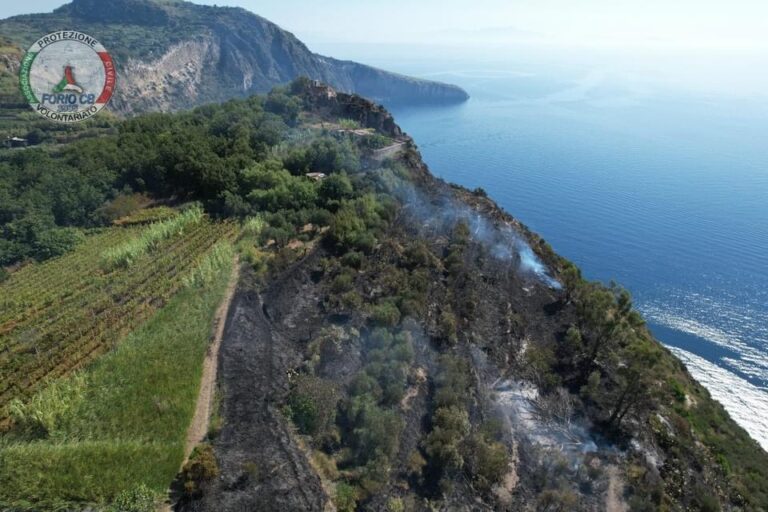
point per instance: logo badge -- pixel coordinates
(67, 76)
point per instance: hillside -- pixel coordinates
(395, 342)
(175, 55)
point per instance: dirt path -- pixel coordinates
(198, 429)
(261, 466)
(613, 500)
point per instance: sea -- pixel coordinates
(657, 180)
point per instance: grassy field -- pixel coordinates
(58, 316)
(120, 424)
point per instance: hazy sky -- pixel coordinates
(709, 24)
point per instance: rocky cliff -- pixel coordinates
(174, 55)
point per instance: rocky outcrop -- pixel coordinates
(324, 100)
(175, 55)
(174, 81)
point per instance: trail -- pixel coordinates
(261, 466)
(198, 429)
(613, 501)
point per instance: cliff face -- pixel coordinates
(175, 55)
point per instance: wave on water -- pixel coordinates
(747, 404)
(740, 332)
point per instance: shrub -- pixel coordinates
(346, 497)
(304, 413)
(386, 314)
(335, 188)
(122, 206)
(449, 426)
(447, 327)
(351, 300)
(199, 470)
(416, 462)
(342, 283)
(540, 360)
(486, 461)
(375, 432)
(417, 255)
(348, 124)
(57, 241)
(352, 259)
(140, 499)
(312, 405)
(395, 505)
(253, 226)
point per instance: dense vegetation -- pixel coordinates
(233, 158)
(59, 316)
(116, 431)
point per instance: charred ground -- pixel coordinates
(423, 362)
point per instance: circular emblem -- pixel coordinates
(67, 76)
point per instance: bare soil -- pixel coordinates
(198, 429)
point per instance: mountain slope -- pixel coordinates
(175, 55)
(432, 352)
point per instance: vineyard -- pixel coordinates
(58, 316)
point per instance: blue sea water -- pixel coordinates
(663, 190)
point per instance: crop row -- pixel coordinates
(82, 318)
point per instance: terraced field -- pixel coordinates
(58, 316)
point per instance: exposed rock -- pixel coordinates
(175, 55)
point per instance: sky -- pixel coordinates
(727, 25)
(703, 46)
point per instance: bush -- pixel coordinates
(352, 259)
(346, 497)
(304, 413)
(386, 314)
(140, 499)
(342, 283)
(351, 300)
(449, 426)
(122, 206)
(199, 470)
(486, 461)
(312, 406)
(417, 255)
(375, 432)
(56, 242)
(447, 327)
(335, 188)
(395, 505)
(11, 251)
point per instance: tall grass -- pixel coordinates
(125, 422)
(247, 243)
(210, 264)
(253, 226)
(126, 253)
(44, 413)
